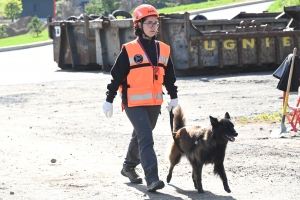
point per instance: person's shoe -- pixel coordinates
(155, 185)
(132, 175)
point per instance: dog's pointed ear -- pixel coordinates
(213, 121)
(227, 116)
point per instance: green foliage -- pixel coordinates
(101, 7)
(3, 33)
(94, 7)
(273, 117)
(244, 120)
(1, 8)
(12, 8)
(278, 5)
(197, 6)
(154, 2)
(24, 39)
(67, 8)
(110, 5)
(58, 11)
(268, 117)
(36, 26)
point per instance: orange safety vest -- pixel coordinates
(144, 81)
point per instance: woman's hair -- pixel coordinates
(137, 30)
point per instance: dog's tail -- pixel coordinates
(179, 119)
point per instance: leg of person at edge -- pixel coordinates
(140, 71)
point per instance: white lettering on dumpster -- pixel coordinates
(57, 31)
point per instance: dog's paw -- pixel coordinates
(169, 179)
(200, 190)
(227, 189)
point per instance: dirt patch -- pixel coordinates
(63, 120)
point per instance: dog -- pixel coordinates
(201, 146)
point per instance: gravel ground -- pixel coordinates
(57, 144)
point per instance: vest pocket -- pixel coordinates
(139, 96)
(160, 75)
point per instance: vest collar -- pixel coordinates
(146, 39)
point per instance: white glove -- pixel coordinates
(108, 109)
(172, 104)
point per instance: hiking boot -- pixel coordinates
(132, 175)
(155, 185)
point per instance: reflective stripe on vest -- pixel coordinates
(159, 96)
(141, 97)
(163, 59)
(144, 96)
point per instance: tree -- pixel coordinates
(1, 9)
(67, 8)
(36, 26)
(3, 33)
(111, 5)
(154, 2)
(101, 7)
(94, 7)
(12, 8)
(129, 5)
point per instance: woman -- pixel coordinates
(140, 70)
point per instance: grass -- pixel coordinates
(267, 118)
(278, 5)
(24, 39)
(198, 6)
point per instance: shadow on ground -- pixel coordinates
(190, 194)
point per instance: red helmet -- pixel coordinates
(142, 11)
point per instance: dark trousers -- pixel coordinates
(140, 150)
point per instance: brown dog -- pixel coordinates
(201, 146)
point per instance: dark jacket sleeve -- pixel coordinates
(283, 82)
(170, 79)
(119, 73)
